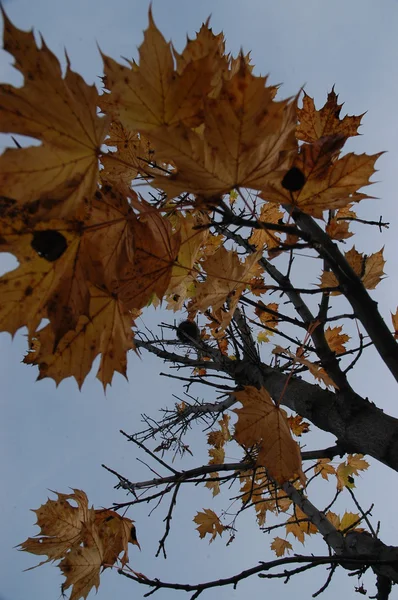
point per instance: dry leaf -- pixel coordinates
(208, 523)
(261, 423)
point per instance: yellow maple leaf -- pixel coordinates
(297, 425)
(333, 518)
(86, 540)
(348, 520)
(368, 268)
(214, 486)
(338, 226)
(59, 111)
(324, 467)
(327, 182)
(357, 463)
(270, 213)
(217, 456)
(156, 249)
(336, 339)
(261, 423)
(226, 279)
(246, 136)
(107, 331)
(208, 522)
(192, 240)
(315, 124)
(267, 318)
(146, 96)
(281, 546)
(132, 155)
(344, 476)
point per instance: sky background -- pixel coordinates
(57, 438)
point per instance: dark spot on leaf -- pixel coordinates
(49, 244)
(29, 291)
(293, 180)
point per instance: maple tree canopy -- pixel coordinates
(214, 142)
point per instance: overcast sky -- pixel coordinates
(57, 438)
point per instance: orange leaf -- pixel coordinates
(336, 339)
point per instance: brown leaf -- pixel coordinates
(59, 111)
(86, 540)
(329, 182)
(208, 523)
(107, 331)
(146, 96)
(246, 136)
(155, 252)
(315, 124)
(368, 268)
(281, 547)
(324, 467)
(261, 423)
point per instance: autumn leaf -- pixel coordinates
(86, 540)
(338, 226)
(219, 437)
(297, 425)
(368, 268)
(59, 111)
(214, 486)
(357, 463)
(281, 547)
(315, 124)
(156, 249)
(261, 423)
(191, 242)
(132, 155)
(348, 520)
(226, 279)
(318, 372)
(270, 213)
(333, 518)
(153, 93)
(208, 523)
(336, 339)
(268, 317)
(394, 319)
(106, 331)
(327, 183)
(324, 467)
(344, 475)
(246, 136)
(49, 282)
(299, 525)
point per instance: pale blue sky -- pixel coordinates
(57, 438)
